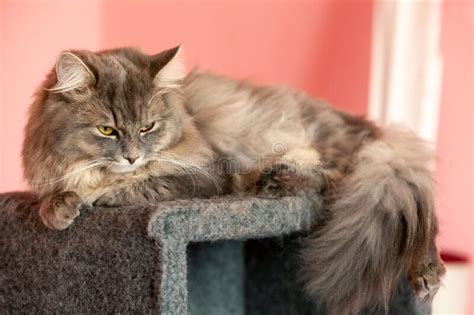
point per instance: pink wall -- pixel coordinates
(322, 47)
(455, 140)
(32, 34)
(3, 147)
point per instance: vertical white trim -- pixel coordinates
(406, 69)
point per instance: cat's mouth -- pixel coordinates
(126, 167)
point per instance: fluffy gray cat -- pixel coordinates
(121, 127)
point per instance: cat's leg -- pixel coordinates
(425, 274)
(299, 170)
(59, 210)
(279, 180)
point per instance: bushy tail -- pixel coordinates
(379, 221)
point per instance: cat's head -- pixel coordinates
(116, 107)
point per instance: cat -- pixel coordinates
(121, 127)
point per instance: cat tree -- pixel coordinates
(220, 256)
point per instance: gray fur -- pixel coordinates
(380, 221)
(217, 135)
(69, 163)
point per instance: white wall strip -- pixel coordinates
(406, 69)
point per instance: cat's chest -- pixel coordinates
(93, 184)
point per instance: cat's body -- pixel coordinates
(202, 135)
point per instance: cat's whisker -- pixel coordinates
(192, 179)
(200, 170)
(187, 172)
(206, 174)
(91, 164)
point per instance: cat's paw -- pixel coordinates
(278, 181)
(426, 278)
(59, 211)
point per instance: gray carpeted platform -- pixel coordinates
(220, 256)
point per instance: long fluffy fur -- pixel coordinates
(380, 218)
(218, 136)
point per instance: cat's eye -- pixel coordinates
(107, 131)
(147, 127)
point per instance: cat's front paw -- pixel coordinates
(281, 180)
(277, 181)
(59, 211)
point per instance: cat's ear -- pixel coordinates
(72, 73)
(168, 68)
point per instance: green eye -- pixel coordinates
(147, 127)
(107, 131)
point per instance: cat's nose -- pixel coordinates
(131, 159)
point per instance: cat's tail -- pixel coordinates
(380, 219)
